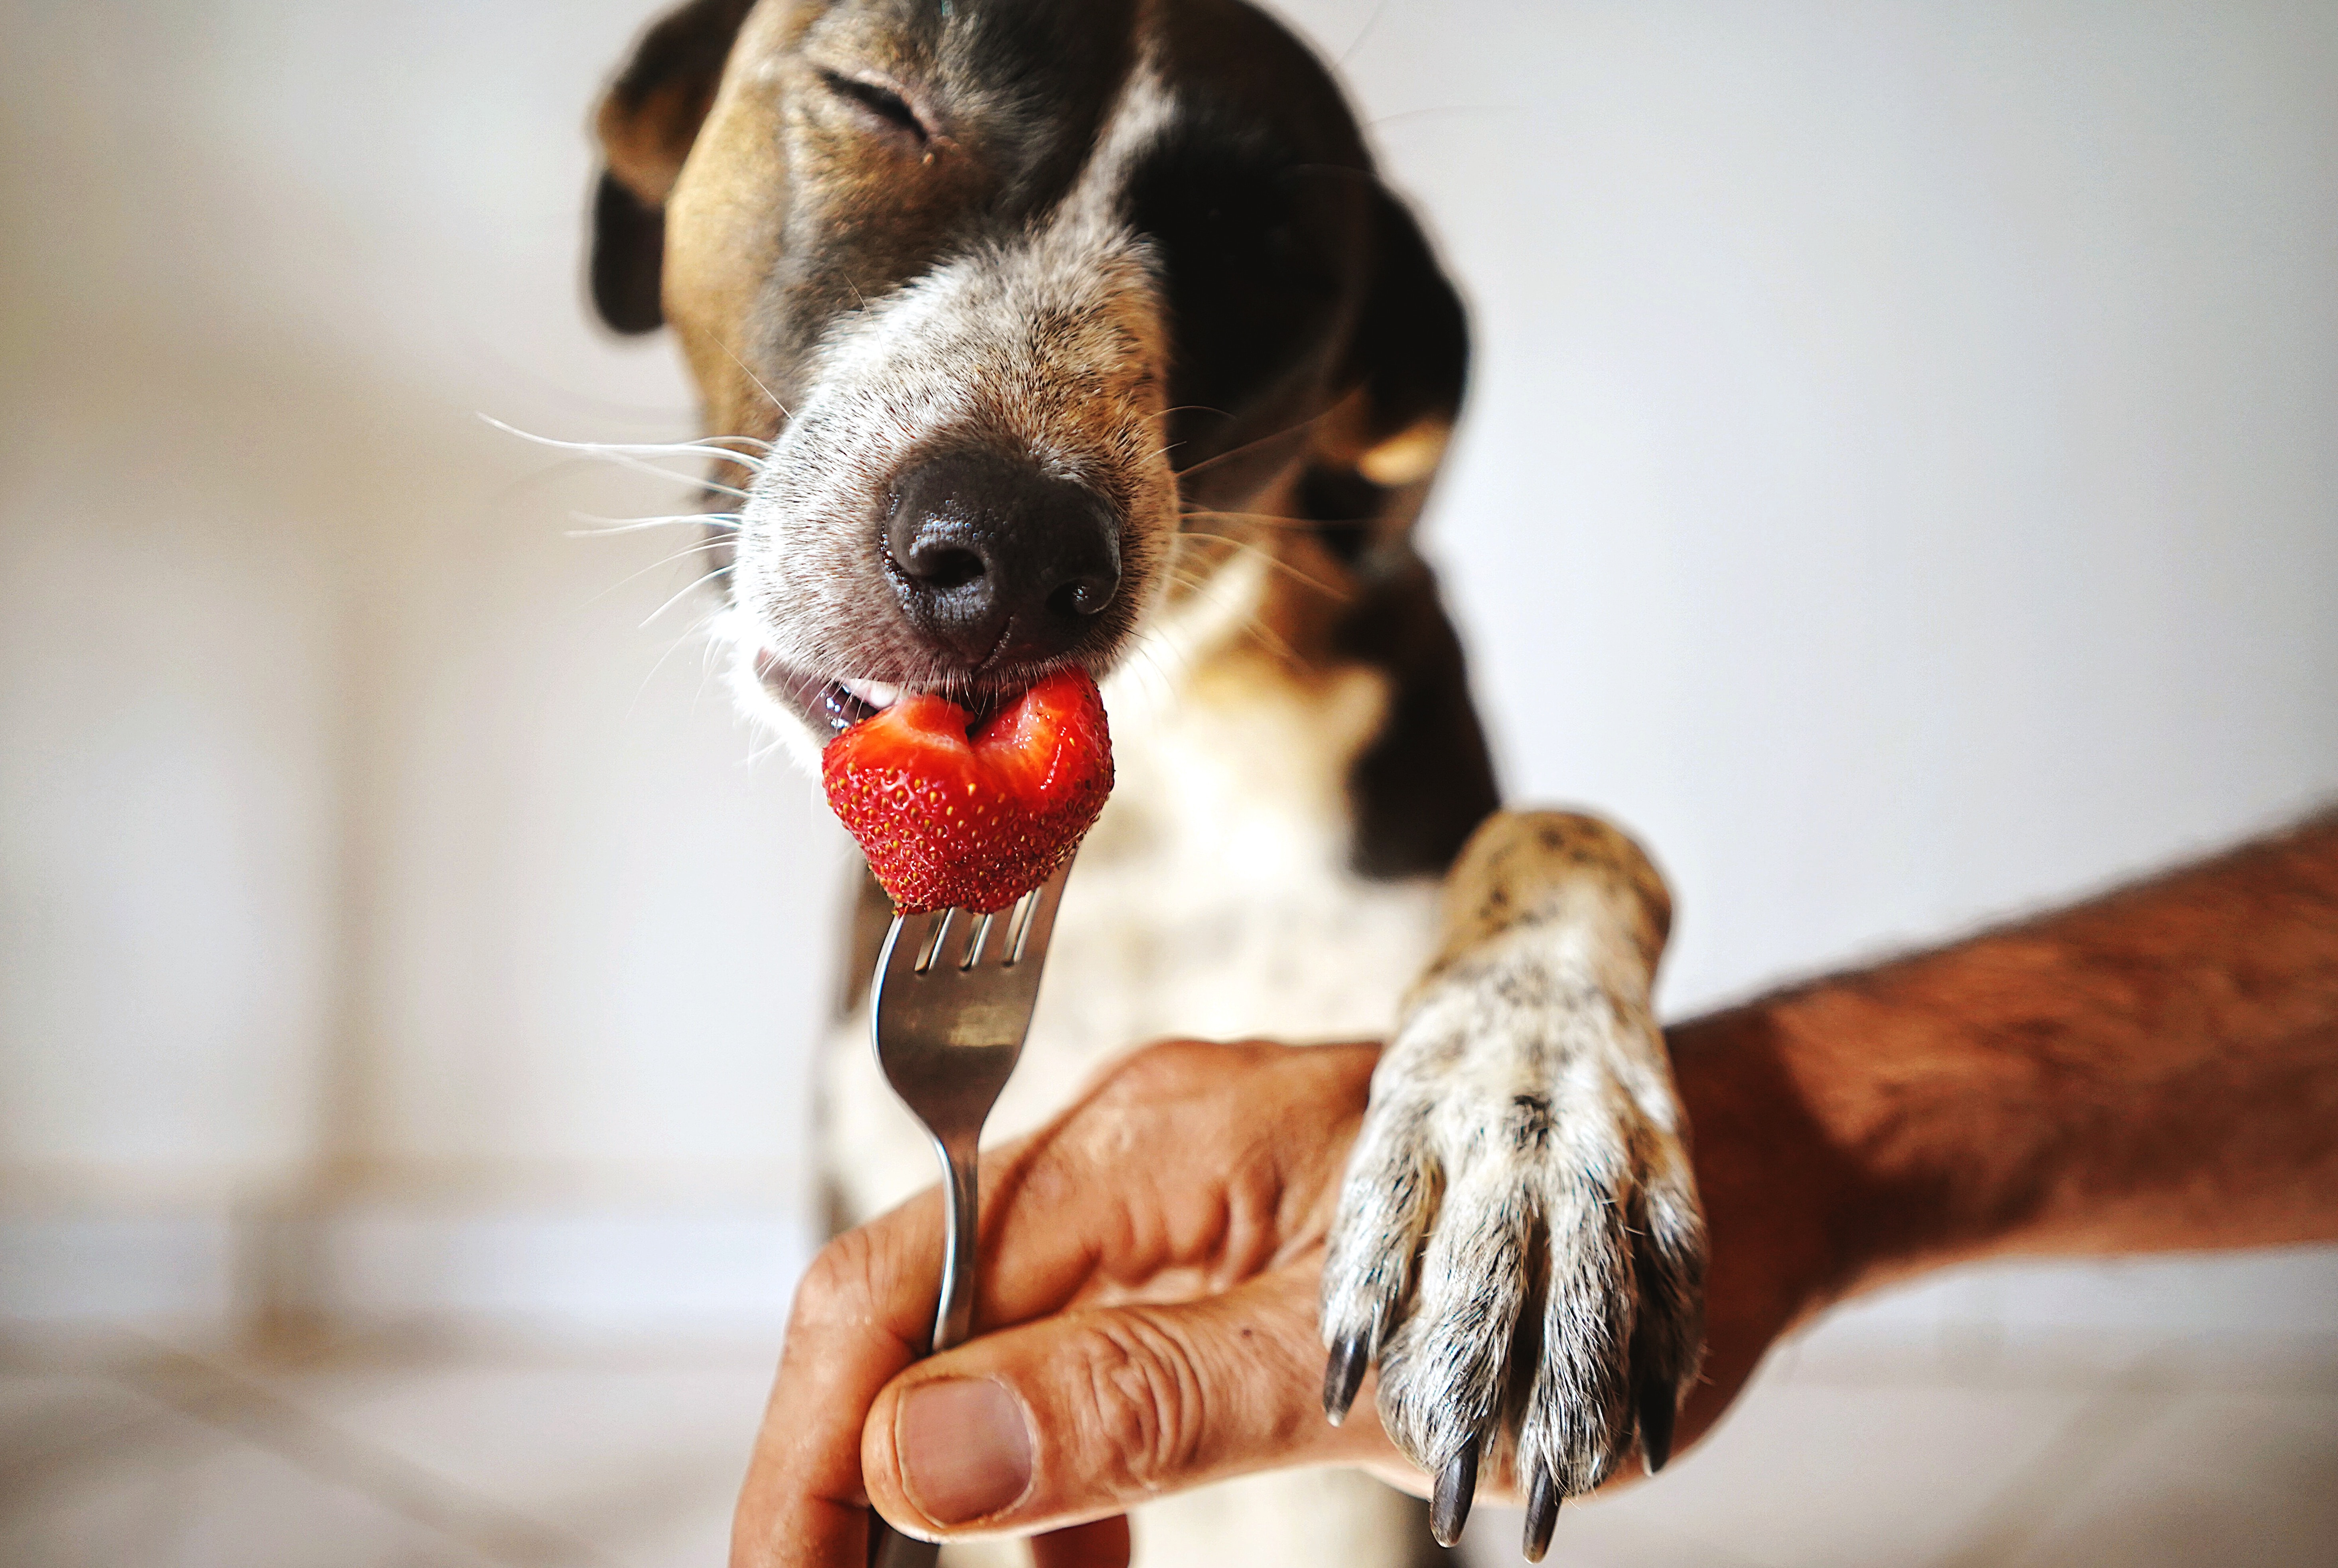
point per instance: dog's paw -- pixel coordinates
(1519, 1244)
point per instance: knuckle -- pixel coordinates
(839, 1270)
(1167, 1069)
(841, 1282)
(1143, 1397)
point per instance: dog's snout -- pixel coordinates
(996, 560)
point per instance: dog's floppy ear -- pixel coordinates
(1427, 780)
(1408, 359)
(1409, 351)
(647, 122)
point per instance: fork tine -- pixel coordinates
(936, 931)
(1037, 917)
(982, 924)
(1018, 927)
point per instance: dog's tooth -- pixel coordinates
(1456, 1488)
(878, 694)
(1542, 1514)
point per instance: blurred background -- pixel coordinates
(1900, 483)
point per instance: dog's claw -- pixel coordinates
(1542, 1513)
(1657, 1412)
(1456, 1488)
(1343, 1374)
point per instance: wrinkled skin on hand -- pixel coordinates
(1150, 1266)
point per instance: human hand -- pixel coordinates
(1147, 1313)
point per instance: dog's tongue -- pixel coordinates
(976, 820)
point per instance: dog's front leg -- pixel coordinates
(1519, 1243)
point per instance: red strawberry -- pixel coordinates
(952, 815)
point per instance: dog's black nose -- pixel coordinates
(995, 560)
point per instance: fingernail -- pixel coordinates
(965, 1450)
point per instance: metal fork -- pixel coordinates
(948, 1007)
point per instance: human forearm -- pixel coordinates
(2155, 1069)
(2152, 1070)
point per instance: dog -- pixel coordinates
(1083, 332)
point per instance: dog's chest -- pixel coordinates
(1212, 899)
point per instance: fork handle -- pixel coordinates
(889, 1548)
(961, 1190)
(953, 1317)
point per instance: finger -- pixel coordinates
(1207, 1161)
(1087, 1413)
(857, 1319)
(1169, 1162)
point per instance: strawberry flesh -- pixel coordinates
(952, 813)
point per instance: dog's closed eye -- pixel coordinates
(881, 102)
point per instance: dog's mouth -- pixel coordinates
(829, 705)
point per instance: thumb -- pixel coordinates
(1089, 1412)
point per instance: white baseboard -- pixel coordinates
(2284, 1292)
(726, 1270)
(584, 1271)
(170, 1270)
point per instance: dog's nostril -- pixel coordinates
(1083, 595)
(942, 566)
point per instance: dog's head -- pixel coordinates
(1015, 290)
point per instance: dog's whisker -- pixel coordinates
(757, 754)
(758, 380)
(704, 447)
(1272, 560)
(1283, 517)
(1247, 623)
(624, 456)
(638, 465)
(634, 577)
(1205, 586)
(684, 591)
(1249, 446)
(1189, 409)
(1167, 683)
(730, 490)
(1262, 519)
(721, 454)
(1428, 110)
(641, 691)
(1357, 43)
(726, 521)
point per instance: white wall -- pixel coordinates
(359, 846)
(1899, 483)
(1902, 476)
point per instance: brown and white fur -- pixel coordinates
(1133, 254)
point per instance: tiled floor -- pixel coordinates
(2052, 1447)
(2199, 1450)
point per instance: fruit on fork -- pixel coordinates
(954, 812)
